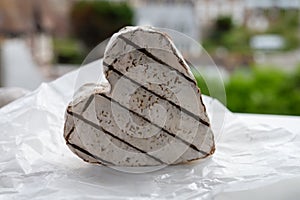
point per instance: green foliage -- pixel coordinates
(95, 21)
(286, 25)
(201, 83)
(223, 24)
(262, 90)
(225, 34)
(67, 50)
(236, 38)
(210, 86)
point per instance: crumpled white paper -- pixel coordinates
(35, 163)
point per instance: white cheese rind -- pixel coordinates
(150, 114)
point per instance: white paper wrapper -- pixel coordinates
(35, 163)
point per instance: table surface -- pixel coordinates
(286, 189)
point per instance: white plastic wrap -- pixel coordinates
(35, 163)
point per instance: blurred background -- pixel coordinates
(255, 43)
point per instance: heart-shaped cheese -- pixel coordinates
(152, 113)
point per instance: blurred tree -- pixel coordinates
(225, 34)
(223, 24)
(94, 21)
(68, 51)
(287, 26)
(221, 27)
(261, 90)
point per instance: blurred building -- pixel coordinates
(283, 4)
(26, 31)
(18, 67)
(194, 17)
(240, 10)
(29, 16)
(171, 14)
(209, 10)
(180, 18)
(36, 21)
